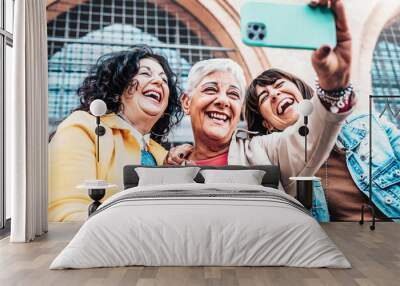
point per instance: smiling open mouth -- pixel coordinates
(153, 94)
(218, 116)
(283, 105)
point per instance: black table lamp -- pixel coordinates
(305, 184)
(98, 108)
(97, 188)
(305, 108)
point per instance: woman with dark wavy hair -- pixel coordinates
(142, 98)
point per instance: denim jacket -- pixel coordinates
(385, 170)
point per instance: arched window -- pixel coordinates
(79, 33)
(386, 70)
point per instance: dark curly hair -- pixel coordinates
(252, 111)
(113, 73)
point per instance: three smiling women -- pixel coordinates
(142, 98)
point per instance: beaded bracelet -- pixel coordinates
(336, 98)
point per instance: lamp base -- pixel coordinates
(96, 195)
(305, 192)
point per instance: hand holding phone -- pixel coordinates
(298, 26)
(333, 64)
(321, 25)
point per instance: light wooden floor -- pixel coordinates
(375, 257)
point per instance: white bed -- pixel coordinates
(201, 224)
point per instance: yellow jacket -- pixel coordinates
(72, 160)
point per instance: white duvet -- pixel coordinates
(245, 225)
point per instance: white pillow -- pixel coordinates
(248, 177)
(166, 176)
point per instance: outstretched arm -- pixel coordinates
(332, 66)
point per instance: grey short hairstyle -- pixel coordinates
(203, 68)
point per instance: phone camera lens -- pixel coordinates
(255, 27)
(251, 35)
(261, 36)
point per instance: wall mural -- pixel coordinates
(170, 95)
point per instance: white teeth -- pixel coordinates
(218, 116)
(153, 94)
(284, 103)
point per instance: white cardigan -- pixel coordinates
(286, 149)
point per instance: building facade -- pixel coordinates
(186, 31)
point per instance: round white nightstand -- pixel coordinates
(305, 189)
(96, 191)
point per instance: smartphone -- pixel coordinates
(296, 26)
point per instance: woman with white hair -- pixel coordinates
(214, 99)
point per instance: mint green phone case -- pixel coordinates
(278, 25)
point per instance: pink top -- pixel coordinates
(220, 160)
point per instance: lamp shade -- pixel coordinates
(98, 107)
(305, 107)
